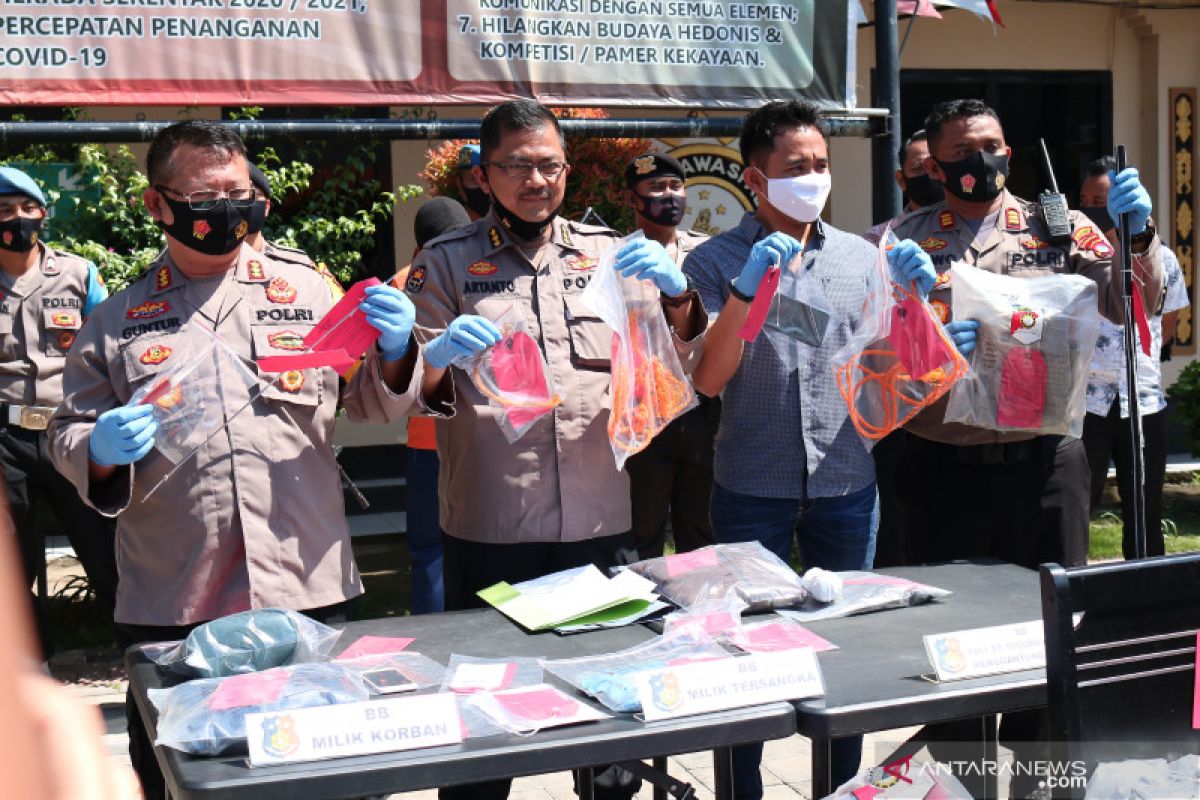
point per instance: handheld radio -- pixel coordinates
(1054, 206)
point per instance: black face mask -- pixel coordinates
(521, 228)
(215, 232)
(666, 210)
(258, 216)
(923, 190)
(976, 178)
(20, 234)
(477, 199)
(1100, 216)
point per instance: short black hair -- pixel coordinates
(513, 115)
(917, 136)
(762, 125)
(950, 110)
(204, 134)
(1100, 166)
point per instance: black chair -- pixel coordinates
(1121, 658)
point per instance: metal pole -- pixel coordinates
(1138, 501)
(886, 194)
(68, 132)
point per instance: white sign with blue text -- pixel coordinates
(352, 729)
(722, 683)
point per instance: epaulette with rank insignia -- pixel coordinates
(290, 255)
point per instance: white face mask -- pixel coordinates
(802, 197)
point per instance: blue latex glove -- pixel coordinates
(776, 250)
(464, 336)
(1126, 195)
(122, 436)
(912, 266)
(648, 260)
(963, 333)
(392, 314)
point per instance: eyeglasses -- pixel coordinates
(207, 199)
(524, 169)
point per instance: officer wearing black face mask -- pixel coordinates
(259, 212)
(44, 297)
(673, 476)
(919, 189)
(1014, 496)
(477, 201)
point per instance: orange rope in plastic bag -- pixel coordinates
(658, 395)
(896, 406)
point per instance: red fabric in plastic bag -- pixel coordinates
(516, 363)
(1022, 401)
(916, 338)
(761, 305)
(537, 704)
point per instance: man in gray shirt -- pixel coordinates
(789, 464)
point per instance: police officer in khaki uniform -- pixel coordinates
(254, 518)
(673, 476)
(1008, 495)
(554, 499)
(970, 492)
(273, 250)
(44, 297)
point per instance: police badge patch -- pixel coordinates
(416, 280)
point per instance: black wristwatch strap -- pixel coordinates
(738, 293)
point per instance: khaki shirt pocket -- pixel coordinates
(60, 326)
(297, 387)
(591, 338)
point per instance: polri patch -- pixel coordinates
(933, 244)
(1034, 243)
(155, 354)
(280, 291)
(64, 319)
(416, 280)
(482, 268)
(148, 310)
(291, 381)
(1088, 238)
(286, 340)
(580, 263)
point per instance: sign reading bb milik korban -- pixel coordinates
(734, 53)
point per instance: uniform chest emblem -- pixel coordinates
(162, 278)
(148, 310)
(933, 244)
(200, 229)
(946, 220)
(967, 182)
(1012, 217)
(66, 339)
(155, 354)
(581, 263)
(942, 309)
(291, 381)
(254, 269)
(62, 319)
(942, 281)
(416, 280)
(1088, 238)
(286, 340)
(280, 291)
(1034, 243)
(482, 268)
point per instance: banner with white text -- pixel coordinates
(712, 53)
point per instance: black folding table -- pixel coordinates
(874, 681)
(472, 633)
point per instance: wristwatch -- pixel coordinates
(688, 295)
(1144, 238)
(738, 293)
